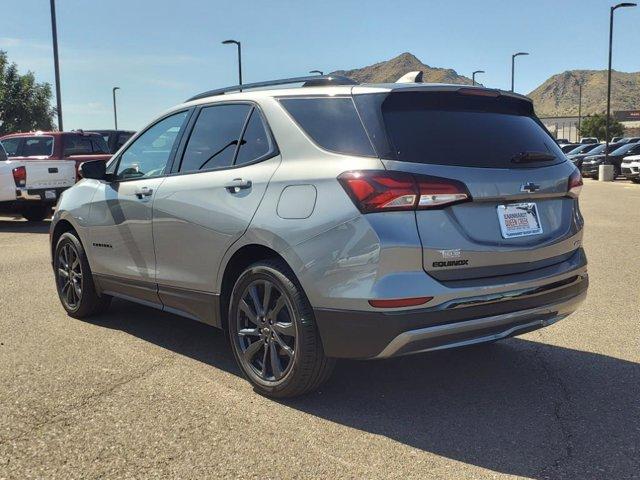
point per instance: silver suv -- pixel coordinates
(332, 220)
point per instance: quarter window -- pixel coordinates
(149, 154)
(214, 138)
(332, 122)
(11, 146)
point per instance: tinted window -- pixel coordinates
(148, 155)
(331, 122)
(448, 128)
(11, 145)
(37, 147)
(214, 138)
(99, 145)
(122, 139)
(255, 141)
(77, 145)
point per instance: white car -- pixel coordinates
(31, 187)
(631, 168)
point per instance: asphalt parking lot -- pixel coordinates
(138, 393)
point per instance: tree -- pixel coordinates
(24, 103)
(596, 126)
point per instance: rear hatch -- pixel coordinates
(512, 212)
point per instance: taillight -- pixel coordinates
(400, 302)
(575, 183)
(383, 191)
(20, 176)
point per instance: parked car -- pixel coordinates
(591, 163)
(631, 168)
(332, 220)
(115, 138)
(562, 141)
(31, 187)
(625, 140)
(578, 158)
(589, 140)
(582, 148)
(76, 145)
(568, 147)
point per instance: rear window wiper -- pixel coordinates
(524, 157)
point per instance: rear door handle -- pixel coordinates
(143, 192)
(237, 184)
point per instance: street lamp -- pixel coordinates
(115, 110)
(473, 76)
(56, 66)
(319, 72)
(513, 64)
(230, 42)
(613, 9)
(579, 108)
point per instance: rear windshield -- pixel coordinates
(37, 147)
(448, 128)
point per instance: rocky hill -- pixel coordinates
(558, 96)
(391, 70)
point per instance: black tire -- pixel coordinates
(635, 180)
(299, 359)
(36, 213)
(77, 293)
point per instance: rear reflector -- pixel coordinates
(383, 190)
(20, 176)
(399, 302)
(575, 183)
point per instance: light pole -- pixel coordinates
(606, 134)
(319, 72)
(579, 108)
(56, 66)
(473, 76)
(230, 42)
(513, 66)
(115, 110)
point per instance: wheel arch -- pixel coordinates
(62, 226)
(240, 259)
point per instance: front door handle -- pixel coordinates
(143, 192)
(237, 184)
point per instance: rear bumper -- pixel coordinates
(357, 334)
(38, 195)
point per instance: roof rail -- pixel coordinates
(308, 81)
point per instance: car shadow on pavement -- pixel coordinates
(22, 226)
(518, 407)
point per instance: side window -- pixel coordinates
(149, 154)
(37, 147)
(332, 122)
(76, 145)
(121, 140)
(255, 141)
(214, 138)
(99, 145)
(11, 146)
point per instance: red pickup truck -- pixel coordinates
(76, 145)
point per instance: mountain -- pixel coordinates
(391, 70)
(558, 96)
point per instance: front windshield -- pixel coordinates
(623, 149)
(598, 149)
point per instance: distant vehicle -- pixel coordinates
(582, 148)
(331, 221)
(616, 153)
(589, 140)
(77, 146)
(616, 139)
(568, 147)
(115, 138)
(562, 141)
(631, 168)
(577, 159)
(31, 187)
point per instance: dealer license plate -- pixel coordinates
(519, 220)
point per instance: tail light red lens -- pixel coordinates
(20, 176)
(383, 191)
(400, 302)
(575, 183)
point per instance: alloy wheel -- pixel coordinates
(69, 272)
(266, 330)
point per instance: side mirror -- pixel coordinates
(96, 169)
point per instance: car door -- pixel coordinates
(208, 203)
(121, 243)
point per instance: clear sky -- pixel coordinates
(160, 52)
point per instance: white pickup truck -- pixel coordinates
(31, 187)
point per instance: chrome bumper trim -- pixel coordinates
(539, 317)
